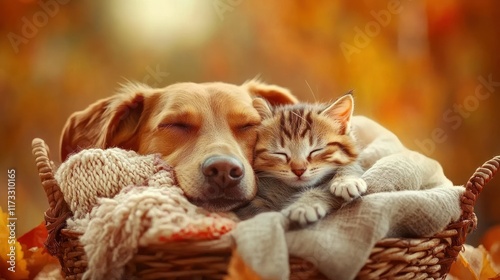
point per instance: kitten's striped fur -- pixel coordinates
(301, 152)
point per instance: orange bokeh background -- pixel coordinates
(427, 70)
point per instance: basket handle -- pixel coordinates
(45, 170)
(58, 212)
(475, 185)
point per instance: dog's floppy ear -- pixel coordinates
(109, 122)
(275, 95)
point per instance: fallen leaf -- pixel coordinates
(35, 237)
(473, 264)
(461, 269)
(37, 259)
(491, 242)
(238, 270)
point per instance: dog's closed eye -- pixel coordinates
(242, 122)
(176, 125)
(247, 126)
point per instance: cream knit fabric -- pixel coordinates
(122, 201)
(95, 173)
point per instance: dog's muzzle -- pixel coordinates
(222, 190)
(223, 171)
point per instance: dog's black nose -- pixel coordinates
(225, 171)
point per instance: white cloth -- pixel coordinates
(408, 196)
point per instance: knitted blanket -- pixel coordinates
(122, 201)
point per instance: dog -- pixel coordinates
(205, 131)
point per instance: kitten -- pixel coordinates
(305, 160)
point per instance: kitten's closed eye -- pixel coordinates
(315, 152)
(282, 156)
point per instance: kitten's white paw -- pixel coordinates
(304, 214)
(348, 187)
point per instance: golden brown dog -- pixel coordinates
(205, 131)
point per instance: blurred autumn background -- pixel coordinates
(427, 70)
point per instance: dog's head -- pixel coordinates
(207, 132)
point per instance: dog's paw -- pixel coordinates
(348, 187)
(304, 214)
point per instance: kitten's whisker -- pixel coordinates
(312, 92)
(263, 174)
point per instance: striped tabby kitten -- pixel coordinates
(305, 160)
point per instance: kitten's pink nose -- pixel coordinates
(299, 172)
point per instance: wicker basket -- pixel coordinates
(391, 258)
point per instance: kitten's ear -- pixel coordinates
(341, 111)
(262, 107)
